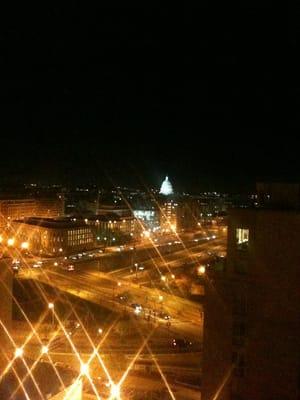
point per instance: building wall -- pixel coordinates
(267, 271)
(168, 215)
(216, 363)
(55, 241)
(14, 209)
(261, 290)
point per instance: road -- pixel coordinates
(102, 280)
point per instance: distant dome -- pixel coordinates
(166, 187)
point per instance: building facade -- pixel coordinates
(15, 209)
(51, 237)
(252, 315)
(168, 215)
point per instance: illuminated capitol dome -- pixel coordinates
(166, 187)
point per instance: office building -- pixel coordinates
(19, 208)
(47, 236)
(252, 307)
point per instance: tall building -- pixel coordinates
(252, 307)
(168, 216)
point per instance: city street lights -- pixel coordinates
(201, 269)
(100, 331)
(84, 369)
(115, 392)
(24, 245)
(10, 241)
(19, 352)
(44, 350)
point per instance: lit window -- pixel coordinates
(242, 237)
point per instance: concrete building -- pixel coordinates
(47, 236)
(110, 228)
(252, 307)
(168, 215)
(11, 209)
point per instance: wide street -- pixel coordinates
(144, 289)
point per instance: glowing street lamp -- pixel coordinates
(115, 392)
(11, 242)
(44, 350)
(100, 331)
(19, 352)
(51, 306)
(119, 284)
(163, 278)
(24, 245)
(160, 297)
(84, 369)
(201, 269)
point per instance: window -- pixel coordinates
(242, 238)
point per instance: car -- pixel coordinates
(70, 267)
(180, 343)
(137, 308)
(123, 298)
(164, 316)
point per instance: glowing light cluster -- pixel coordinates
(166, 187)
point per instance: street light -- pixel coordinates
(84, 369)
(19, 352)
(44, 350)
(160, 297)
(100, 331)
(24, 245)
(115, 392)
(201, 269)
(11, 241)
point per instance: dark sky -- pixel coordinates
(209, 96)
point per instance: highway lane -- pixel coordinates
(102, 288)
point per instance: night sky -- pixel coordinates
(127, 95)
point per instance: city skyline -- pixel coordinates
(149, 203)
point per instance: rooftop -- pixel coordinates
(64, 223)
